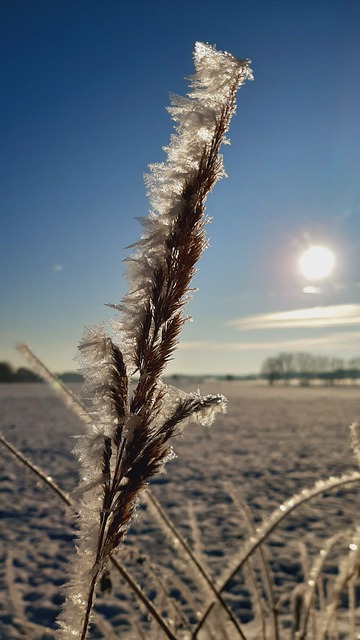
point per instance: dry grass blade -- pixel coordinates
(30, 465)
(352, 601)
(195, 561)
(178, 615)
(70, 503)
(67, 396)
(128, 434)
(184, 410)
(144, 599)
(80, 410)
(348, 572)
(309, 587)
(274, 520)
(265, 569)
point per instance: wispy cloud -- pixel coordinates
(58, 267)
(331, 316)
(333, 341)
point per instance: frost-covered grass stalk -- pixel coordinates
(129, 438)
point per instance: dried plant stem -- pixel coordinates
(249, 566)
(143, 598)
(104, 626)
(128, 436)
(80, 410)
(75, 405)
(70, 503)
(352, 601)
(158, 580)
(66, 395)
(171, 277)
(345, 578)
(89, 606)
(277, 516)
(266, 573)
(312, 582)
(30, 465)
(182, 542)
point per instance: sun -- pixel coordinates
(317, 262)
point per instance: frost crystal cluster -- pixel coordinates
(129, 438)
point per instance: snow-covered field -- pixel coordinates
(272, 443)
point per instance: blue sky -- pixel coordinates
(84, 91)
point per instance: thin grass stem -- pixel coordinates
(75, 405)
(156, 578)
(67, 396)
(30, 465)
(312, 582)
(266, 573)
(351, 596)
(182, 542)
(143, 598)
(332, 608)
(277, 516)
(70, 503)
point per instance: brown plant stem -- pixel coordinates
(75, 405)
(332, 483)
(309, 592)
(266, 571)
(70, 503)
(155, 504)
(30, 465)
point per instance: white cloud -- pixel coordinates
(334, 341)
(58, 267)
(314, 317)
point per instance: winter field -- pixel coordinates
(274, 442)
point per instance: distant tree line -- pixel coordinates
(8, 374)
(307, 367)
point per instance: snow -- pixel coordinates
(273, 443)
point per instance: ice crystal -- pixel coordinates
(197, 117)
(355, 445)
(281, 512)
(128, 434)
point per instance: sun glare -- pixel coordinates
(317, 262)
